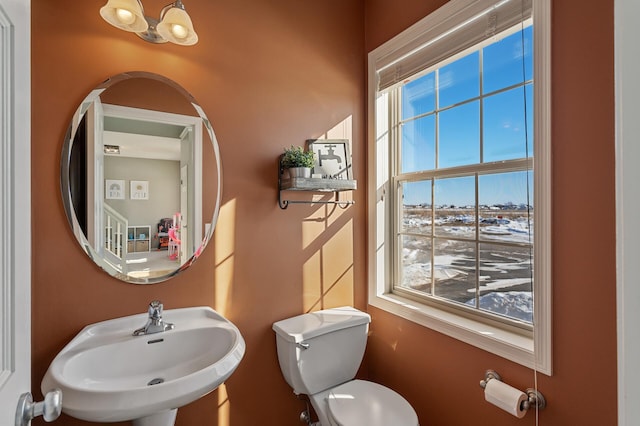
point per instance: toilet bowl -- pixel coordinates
(360, 403)
(319, 355)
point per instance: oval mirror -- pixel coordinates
(141, 177)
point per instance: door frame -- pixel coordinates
(627, 106)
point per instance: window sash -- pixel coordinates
(430, 297)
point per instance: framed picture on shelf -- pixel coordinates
(332, 158)
(139, 190)
(114, 189)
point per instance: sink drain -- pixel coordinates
(155, 381)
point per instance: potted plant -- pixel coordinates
(297, 161)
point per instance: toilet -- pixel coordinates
(319, 354)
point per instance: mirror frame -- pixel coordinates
(66, 188)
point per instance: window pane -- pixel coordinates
(505, 214)
(506, 281)
(459, 135)
(416, 207)
(504, 126)
(455, 201)
(459, 81)
(502, 61)
(419, 145)
(419, 96)
(455, 270)
(415, 270)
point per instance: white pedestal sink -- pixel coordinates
(108, 375)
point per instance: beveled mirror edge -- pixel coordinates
(65, 189)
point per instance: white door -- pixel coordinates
(15, 206)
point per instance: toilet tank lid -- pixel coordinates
(306, 326)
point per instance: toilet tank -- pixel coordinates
(322, 349)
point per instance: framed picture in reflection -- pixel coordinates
(139, 190)
(114, 189)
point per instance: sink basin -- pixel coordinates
(108, 375)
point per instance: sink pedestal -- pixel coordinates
(163, 418)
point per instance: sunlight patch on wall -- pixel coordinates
(342, 130)
(337, 268)
(319, 221)
(223, 406)
(313, 226)
(224, 256)
(312, 282)
(328, 274)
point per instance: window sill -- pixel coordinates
(509, 345)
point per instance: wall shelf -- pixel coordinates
(139, 238)
(313, 185)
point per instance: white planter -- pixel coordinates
(299, 172)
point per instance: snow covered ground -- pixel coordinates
(513, 304)
(505, 278)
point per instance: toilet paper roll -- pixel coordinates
(506, 397)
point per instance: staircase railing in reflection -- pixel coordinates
(115, 226)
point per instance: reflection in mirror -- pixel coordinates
(141, 177)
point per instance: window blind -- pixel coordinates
(449, 32)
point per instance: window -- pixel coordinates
(459, 211)
(464, 181)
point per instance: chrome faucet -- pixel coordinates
(154, 324)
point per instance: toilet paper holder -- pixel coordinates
(535, 398)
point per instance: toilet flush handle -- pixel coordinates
(303, 345)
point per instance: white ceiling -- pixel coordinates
(143, 139)
(143, 146)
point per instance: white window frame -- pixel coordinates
(532, 351)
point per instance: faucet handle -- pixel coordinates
(155, 309)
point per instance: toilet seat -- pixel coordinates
(363, 403)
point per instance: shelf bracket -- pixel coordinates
(342, 204)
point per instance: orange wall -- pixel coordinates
(268, 74)
(442, 382)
